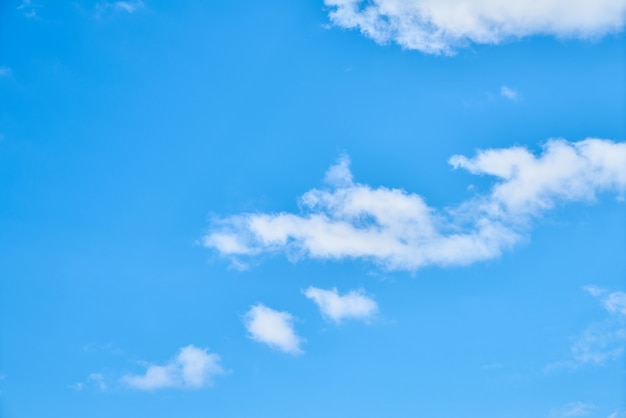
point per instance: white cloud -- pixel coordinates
(352, 305)
(98, 380)
(508, 93)
(122, 6)
(193, 367)
(399, 231)
(127, 6)
(613, 302)
(274, 328)
(602, 341)
(573, 409)
(442, 26)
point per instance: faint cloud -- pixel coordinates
(508, 93)
(120, 6)
(95, 379)
(602, 341)
(106, 348)
(274, 328)
(443, 27)
(352, 305)
(192, 368)
(28, 9)
(5, 71)
(398, 230)
(573, 409)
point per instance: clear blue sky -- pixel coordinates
(312, 208)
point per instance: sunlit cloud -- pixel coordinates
(442, 27)
(398, 230)
(273, 328)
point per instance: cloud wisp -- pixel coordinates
(603, 341)
(508, 93)
(336, 307)
(192, 368)
(397, 230)
(572, 409)
(273, 328)
(442, 27)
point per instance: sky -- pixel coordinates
(314, 208)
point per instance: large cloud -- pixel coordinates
(399, 231)
(440, 26)
(193, 367)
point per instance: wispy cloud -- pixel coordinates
(441, 27)
(192, 368)
(399, 231)
(352, 305)
(603, 341)
(28, 9)
(122, 6)
(95, 379)
(573, 409)
(5, 71)
(508, 93)
(274, 328)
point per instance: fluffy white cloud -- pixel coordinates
(274, 328)
(399, 231)
(193, 367)
(441, 26)
(352, 305)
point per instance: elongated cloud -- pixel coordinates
(192, 368)
(399, 231)
(442, 26)
(274, 328)
(352, 305)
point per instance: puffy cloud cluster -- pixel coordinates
(441, 26)
(193, 367)
(399, 231)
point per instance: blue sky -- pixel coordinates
(350, 208)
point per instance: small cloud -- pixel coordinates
(95, 379)
(192, 368)
(352, 305)
(119, 6)
(274, 328)
(508, 93)
(602, 341)
(5, 71)
(127, 6)
(78, 386)
(572, 409)
(98, 380)
(27, 9)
